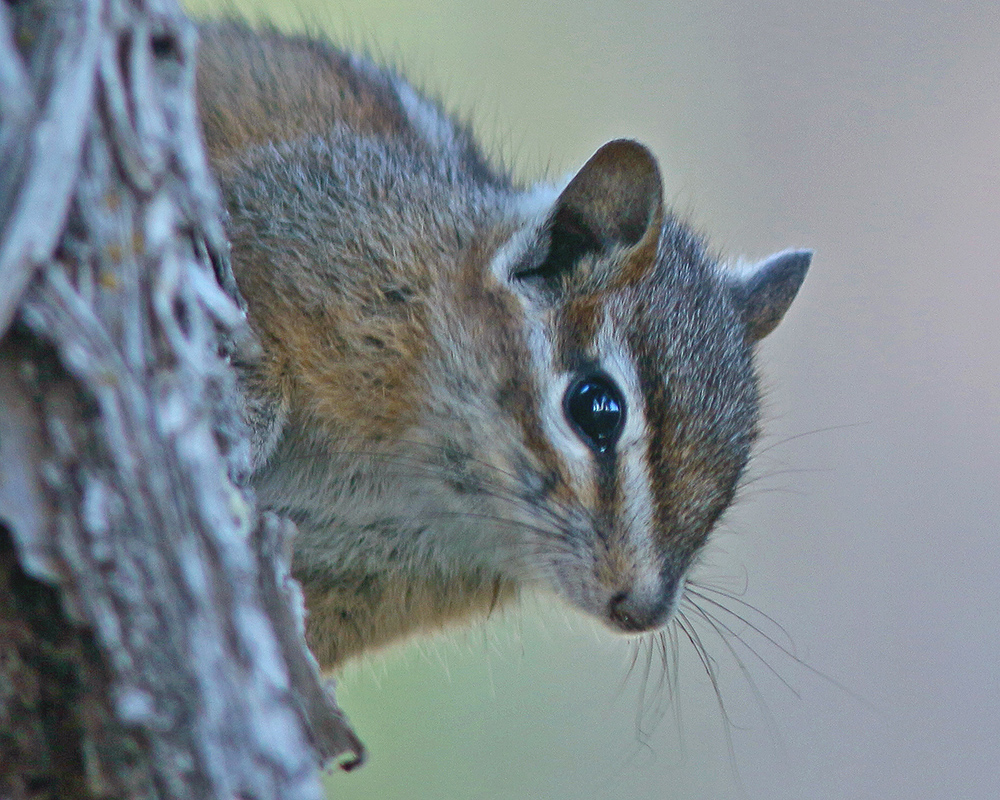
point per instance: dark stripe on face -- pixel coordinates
(695, 463)
(517, 394)
(608, 492)
(663, 448)
(518, 397)
(576, 328)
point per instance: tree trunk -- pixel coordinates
(151, 637)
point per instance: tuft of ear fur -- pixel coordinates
(768, 288)
(614, 203)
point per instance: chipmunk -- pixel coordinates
(469, 386)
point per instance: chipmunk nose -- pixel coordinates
(635, 611)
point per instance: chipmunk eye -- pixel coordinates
(596, 410)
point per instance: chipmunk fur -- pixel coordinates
(468, 386)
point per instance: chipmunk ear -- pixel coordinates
(615, 202)
(768, 288)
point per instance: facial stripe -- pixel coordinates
(635, 496)
(522, 393)
(575, 328)
(663, 455)
(561, 441)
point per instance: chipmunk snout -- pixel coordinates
(639, 610)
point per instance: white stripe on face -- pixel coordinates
(636, 517)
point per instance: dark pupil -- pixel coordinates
(596, 409)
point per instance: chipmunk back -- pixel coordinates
(468, 386)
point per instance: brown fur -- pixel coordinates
(269, 87)
(356, 614)
(347, 371)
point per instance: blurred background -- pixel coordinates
(869, 132)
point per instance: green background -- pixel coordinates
(867, 131)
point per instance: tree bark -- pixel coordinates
(151, 637)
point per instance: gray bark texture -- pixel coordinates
(151, 637)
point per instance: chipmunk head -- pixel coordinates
(616, 399)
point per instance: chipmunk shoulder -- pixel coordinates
(468, 386)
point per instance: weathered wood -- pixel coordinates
(141, 596)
